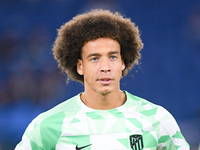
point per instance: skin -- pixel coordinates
(102, 66)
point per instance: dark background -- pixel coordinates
(31, 83)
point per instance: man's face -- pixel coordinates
(101, 66)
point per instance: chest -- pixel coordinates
(108, 130)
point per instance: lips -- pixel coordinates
(105, 81)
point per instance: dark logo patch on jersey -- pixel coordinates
(79, 148)
(136, 142)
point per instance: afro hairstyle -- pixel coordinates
(98, 23)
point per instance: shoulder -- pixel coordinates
(152, 112)
(55, 116)
(47, 126)
(144, 106)
(155, 117)
(65, 108)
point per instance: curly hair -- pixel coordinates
(72, 36)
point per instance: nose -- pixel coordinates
(105, 66)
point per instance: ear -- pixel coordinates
(80, 67)
(123, 65)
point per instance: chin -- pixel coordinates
(105, 91)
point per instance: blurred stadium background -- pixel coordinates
(31, 83)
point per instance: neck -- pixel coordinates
(103, 102)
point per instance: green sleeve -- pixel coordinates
(42, 134)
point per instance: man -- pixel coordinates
(98, 48)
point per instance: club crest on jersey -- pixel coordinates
(136, 142)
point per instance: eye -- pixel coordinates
(94, 59)
(113, 57)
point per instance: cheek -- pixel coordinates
(92, 69)
(89, 72)
(119, 67)
(118, 71)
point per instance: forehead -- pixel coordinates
(100, 45)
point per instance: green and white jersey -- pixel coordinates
(136, 125)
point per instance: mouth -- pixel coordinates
(105, 81)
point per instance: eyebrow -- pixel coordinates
(93, 54)
(97, 54)
(113, 52)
